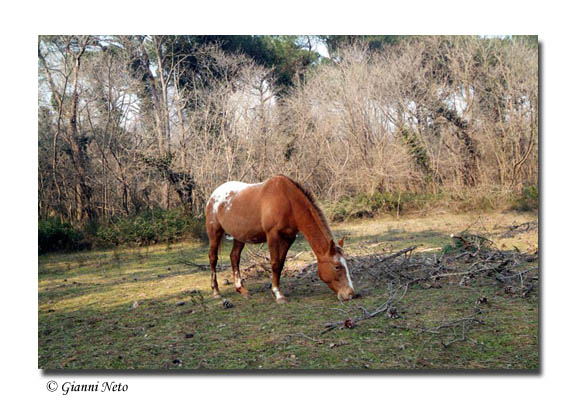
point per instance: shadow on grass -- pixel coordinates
(171, 330)
(397, 238)
(259, 334)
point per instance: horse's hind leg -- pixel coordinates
(214, 235)
(237, 247)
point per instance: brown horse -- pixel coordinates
(273, 211)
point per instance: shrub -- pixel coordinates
(467, 242)
(150, 227)
(367, 205)
(55, 235)
(529, 199)
(155, 226)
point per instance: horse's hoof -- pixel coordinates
(281, 300)
(243, 292)
(216, 295)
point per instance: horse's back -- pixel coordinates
(248, 211)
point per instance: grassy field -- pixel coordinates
(149, 308)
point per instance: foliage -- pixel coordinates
(467, 242)
(374, 42)
(289, 60)
(416, 149)
(283, 53)
(56, 235)
(367, 205)
(426, 118)
(529, 199)
(150, 227)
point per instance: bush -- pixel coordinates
(150, 227)
(55, 235)
(370, 205)
(529, 199)
(467, 242)
(366, 205)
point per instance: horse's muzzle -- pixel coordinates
(346, 295)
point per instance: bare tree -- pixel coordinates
(126, 126)
(65, 91)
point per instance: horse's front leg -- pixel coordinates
(278, 247)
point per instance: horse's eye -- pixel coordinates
(337, 267)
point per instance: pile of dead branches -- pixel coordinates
(473, 258)
(472, 261)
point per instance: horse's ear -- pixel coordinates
(341, 242)
(332, 248)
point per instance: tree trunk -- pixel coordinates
(469, 152)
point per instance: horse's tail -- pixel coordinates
(221, 242)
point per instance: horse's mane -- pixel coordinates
(313, 202)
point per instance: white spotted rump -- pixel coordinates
(224, 193)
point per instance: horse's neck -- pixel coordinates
(312, 227)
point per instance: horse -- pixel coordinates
(274, 211)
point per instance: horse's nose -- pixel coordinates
(346, 294)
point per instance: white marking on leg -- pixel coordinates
(238, 283)
(277, 293)
(344, 263)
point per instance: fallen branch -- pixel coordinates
(295, 256)
(460, 323)
(203, 267)
(385, 307)
(520, 228)
(395, 255)
(303, 335)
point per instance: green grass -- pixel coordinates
(88, 318)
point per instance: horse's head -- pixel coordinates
(333, 270)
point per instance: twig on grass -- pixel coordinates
(385, 307)
(505, 267)
(202, 267)
(303, 335)
(395, 255)
(461, 324)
